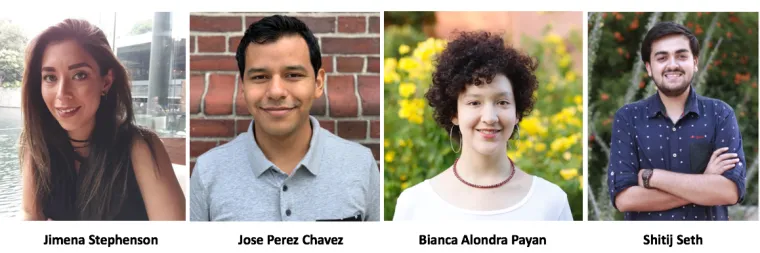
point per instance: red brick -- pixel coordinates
(212, 127)
(215, 24)
(319, 106)
(192, 167)
(218, 100)
(315, 24)
(241, 126)
(340, 91)
(350, 64)
(327, 64)
(373, 64)
(374, 25)
(352, 24)
(328, 125)
(241, 107)
(212, 63)
(192, 44)
(375, 147)
(197, 86)
(197, 148)
(352, 129)
(374, 129)
(369, 91)
(234, 41)
(350, 45)
(211, 44)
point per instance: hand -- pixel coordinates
(640, 177)
(720, 161)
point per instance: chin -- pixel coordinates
(490, 148)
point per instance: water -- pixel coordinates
(10, 173)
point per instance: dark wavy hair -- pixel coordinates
(663, 29)
(99, 191)
(471, 58)
(272, 28)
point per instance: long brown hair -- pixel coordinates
(98, 192)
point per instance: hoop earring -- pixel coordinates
(451, 142)
(515, 134)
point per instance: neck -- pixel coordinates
(81, 134)
(475, 166)
(674, 106)
(284, 151)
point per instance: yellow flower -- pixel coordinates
(386, 143)
(580, 181)
(567, 156)
(391, 77)
(578, 100)
(554, 79)
(390, 64)
(403, 49)
(404, 185)
(389, 156)
(569, 173)
(570, 76)
(541, 147)
(412, 110)
(402, 177)
(553, 38)
(532, 126)
(408, 64)
(565, 61)
(561, 49)
(406, 89)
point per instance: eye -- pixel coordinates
(49, 78)
(294, 75)
(258, 77)
(80, 76)
(473, 103)
(503, 103)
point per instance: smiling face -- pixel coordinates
(279, 84)
(486, 116)
(672, 65)
(72, 85)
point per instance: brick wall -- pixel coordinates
(350, 106)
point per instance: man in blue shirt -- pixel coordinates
(675, 155)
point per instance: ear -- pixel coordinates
(108, 81)
(696, 63)
(649, 69)
(455, 120)
(319, 88)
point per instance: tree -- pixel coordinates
(141, 27)
(12, 42)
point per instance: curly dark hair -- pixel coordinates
(468, 60)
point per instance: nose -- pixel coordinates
(64, 90)
(488, 114)
(277, 89)
(672, 64)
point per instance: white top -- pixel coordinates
(544, 201)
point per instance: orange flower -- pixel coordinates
(607, 122)
(634, 25)
(642, 84)
(754, 84)
(698, 31)
(689, 25)
(620, 50)
(718, 24)
(619, 37)
(618, 16)
(605, 97)
(729, 34)
(591, 138)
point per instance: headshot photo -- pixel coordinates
(673, 116)
(483, 116)
(83, 147)
(284, 117)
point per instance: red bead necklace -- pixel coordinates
(484, 186)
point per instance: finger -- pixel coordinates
(726, 156)
(727, 167)
(717, 152)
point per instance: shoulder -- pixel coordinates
(415, 195)
(632, 109)
(221, 156)
(548, 191)
(336, 147)
(716, 105)
(145, 144)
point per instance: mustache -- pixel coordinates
(278, 104)
(673, 70)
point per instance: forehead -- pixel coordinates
(61, 54)
(287, 50)
(670, 43)
(500, 84)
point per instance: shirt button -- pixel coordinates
(284, 188)
(674, 155)
(674, 129)
(287, 212)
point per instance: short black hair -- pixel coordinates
(471, 59)
(663, 29)
(272, 28)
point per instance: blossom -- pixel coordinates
(403, 49)
(406, 89)
(390, 156)
(569, 173)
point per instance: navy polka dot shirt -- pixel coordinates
(644, 137)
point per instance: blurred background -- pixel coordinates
(416, 148)
(152, 46)
(617, 76)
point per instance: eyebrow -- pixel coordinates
(288, 68)
(499, 94)
(72, 66)
(683, 50)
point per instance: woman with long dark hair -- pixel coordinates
(82, 156)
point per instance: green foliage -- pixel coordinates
(618, 77)
(417, 148)
(141, 27)
(396, 36)
(12, 42)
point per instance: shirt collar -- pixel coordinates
(261, 164)
(655, 105)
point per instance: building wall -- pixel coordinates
(350, 107)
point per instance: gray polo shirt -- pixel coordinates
(336, 180)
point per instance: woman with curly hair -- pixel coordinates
(481, 90)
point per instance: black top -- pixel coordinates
(61, 204)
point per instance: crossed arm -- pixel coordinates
(721, 184)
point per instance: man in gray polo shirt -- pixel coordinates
(286, 167)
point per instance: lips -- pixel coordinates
(65, 112)
(488, 133)
(673, 75)
(278, 111)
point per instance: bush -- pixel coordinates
(416, 148)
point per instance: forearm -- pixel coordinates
(640, 199)
(701, 189)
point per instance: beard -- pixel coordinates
(676, 90)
